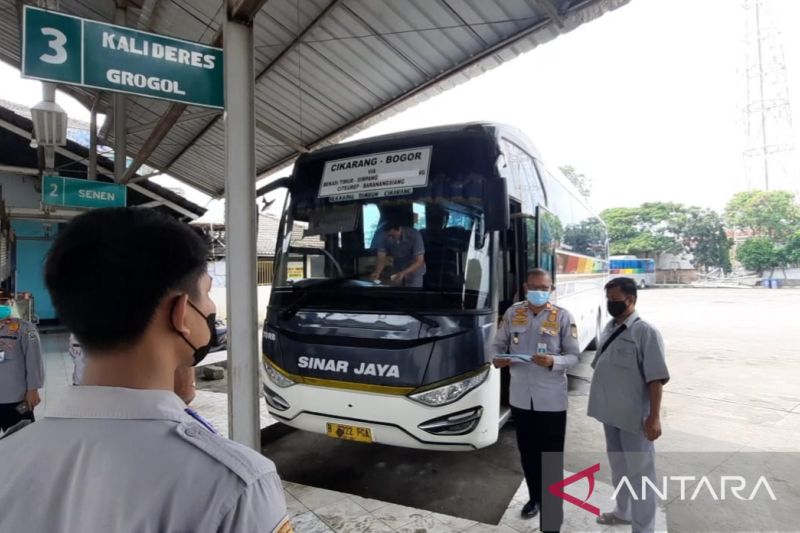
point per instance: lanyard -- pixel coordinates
(614, 335)
(206, 424)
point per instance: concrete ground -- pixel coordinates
(733, 356)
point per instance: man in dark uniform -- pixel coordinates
(547, 337)
(21, 367)
(404, 244)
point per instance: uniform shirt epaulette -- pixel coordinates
(248, 465)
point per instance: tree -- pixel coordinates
(791, 250)
(702, 234)
(580, 181)
(773, 214)
(758, 254)
(667, 227)
(642, 230)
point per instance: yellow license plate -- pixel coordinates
(345, 432)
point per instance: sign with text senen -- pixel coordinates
(376, 175)
(70, 192)
(67, 49)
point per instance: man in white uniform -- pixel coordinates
(122, 452)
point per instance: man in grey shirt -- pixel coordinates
(546, 337)
(630, 371)
(405, 246)
(21, 367)
(122, 452)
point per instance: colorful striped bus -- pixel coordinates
(629, 266)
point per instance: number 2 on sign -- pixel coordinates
(54, 190)
(59, 54)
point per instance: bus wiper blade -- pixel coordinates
(431, 323)
(290, 311)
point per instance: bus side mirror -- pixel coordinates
(495, 201)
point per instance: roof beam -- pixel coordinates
(148, 15)
(294, 44)
(552, 12)
(28, 171)
(244, 10)
(453, 71)
(272, 132)
(107, 172)
(141, 128)
(161, 130)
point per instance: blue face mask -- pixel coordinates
(538, 298)
(5, 311)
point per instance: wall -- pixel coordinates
(219, 294)
(676, 276)
(19, 191)
(34, 240)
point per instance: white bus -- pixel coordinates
(642, 271)
(371, 361)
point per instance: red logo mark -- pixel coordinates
(556, 489)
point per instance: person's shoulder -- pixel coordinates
(516, 305)
(239, 460)
(641, 323)
(643, 327)
(563, 312)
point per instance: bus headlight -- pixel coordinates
(451, 392)
(276, 377)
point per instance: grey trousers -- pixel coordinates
(633, 456)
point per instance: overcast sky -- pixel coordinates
(646, 101)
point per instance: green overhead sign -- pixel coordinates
(67, 49)
(71, 192)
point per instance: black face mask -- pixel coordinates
(201, 352)
(616, 309)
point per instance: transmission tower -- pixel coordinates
(769, 149)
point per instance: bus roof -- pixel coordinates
(490, 129)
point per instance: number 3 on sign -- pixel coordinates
(57, 42)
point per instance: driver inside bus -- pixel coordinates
(405, 246)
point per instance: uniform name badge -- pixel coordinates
(520, 317)
(2, 356)
(550, 326)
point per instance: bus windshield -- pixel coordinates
(333, 250)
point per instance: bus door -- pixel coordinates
(510, 272)
(549, 232)
(510, 268)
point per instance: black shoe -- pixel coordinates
(530, 509)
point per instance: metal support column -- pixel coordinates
(240, 220)
(93, 139)
(120, 114)
(49, 95)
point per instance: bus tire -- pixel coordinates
(642, 284)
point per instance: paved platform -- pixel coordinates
(315, 510)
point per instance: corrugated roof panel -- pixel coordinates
(362, 61)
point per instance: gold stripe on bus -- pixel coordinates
(337, 384)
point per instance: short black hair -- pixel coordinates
(538, 272)
(392, 224)
(626, 285)
(109, 269)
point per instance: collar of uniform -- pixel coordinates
(631, 319)
(85, 401)
(611, 326)
(546, 309)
